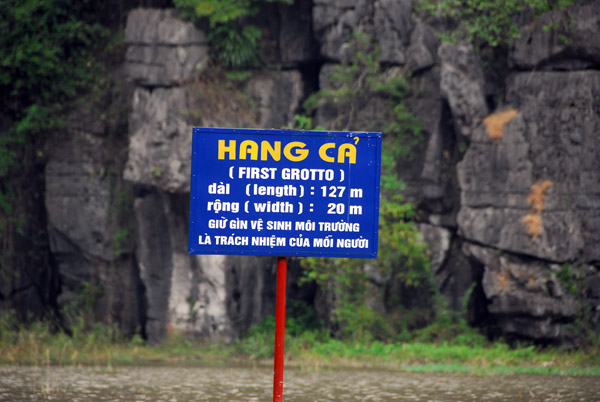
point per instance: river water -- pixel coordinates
(183, 384)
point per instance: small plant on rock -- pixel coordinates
(371, 299)
(235, 42)
(488, 21)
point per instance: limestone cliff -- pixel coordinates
(508, 191)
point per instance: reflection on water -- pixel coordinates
(171, 384)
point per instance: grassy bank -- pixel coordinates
(310, 350)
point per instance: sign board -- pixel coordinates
(284, 193)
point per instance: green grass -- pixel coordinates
(468, 352)
(36, 345)
(493, 358)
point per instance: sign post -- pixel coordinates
(284, 193)
(279, 330)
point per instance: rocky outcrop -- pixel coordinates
(528, 180)
(497, 176)
(77, 190)
(290, 42)
(206, 296)
(525, 296)
(278, 96)
(163, 49)
(184, 293)
(462, 85)
(160, 141)
(393, 26)
(562, 39)
(508, 198)
(421, 52)
(88, 225)
(402, 40)
(410, 45)
(333, 25)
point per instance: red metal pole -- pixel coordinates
(279, 329)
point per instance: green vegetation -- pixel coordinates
(440, 347)
(49, 51)
(405, 299)
(47, 59)
(103, 346)
(235, 41)
(488, 21)
(572, 278)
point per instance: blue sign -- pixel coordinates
(285, 193)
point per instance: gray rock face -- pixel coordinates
(209, 296)
(454, 274)
(564, 148)
(497, 176)
(82, 224)
(402, 42)
(334, 23)
(526, 297)
(184, 293)
(153, 255)
(427, 175)
(560, 39)
(421, 52)
(77, 191)
(202, 296)
(529, 176)
(530, 189)
(160, 27)
(438, 242)
(327, 115)
(77, 204)
(393, 26)
(250, 286)
(278, 96)
(163, 50)
(160, 132)
(462, 85)
(482, 212)
(389, 22)
(160, 139)
(294, 37)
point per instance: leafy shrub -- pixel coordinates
(236, 45)
(47, 58)
(493, 22)
(402, 269)
(235, 42)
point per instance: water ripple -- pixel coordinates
(174, 384)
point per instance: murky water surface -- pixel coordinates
(172, 384)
